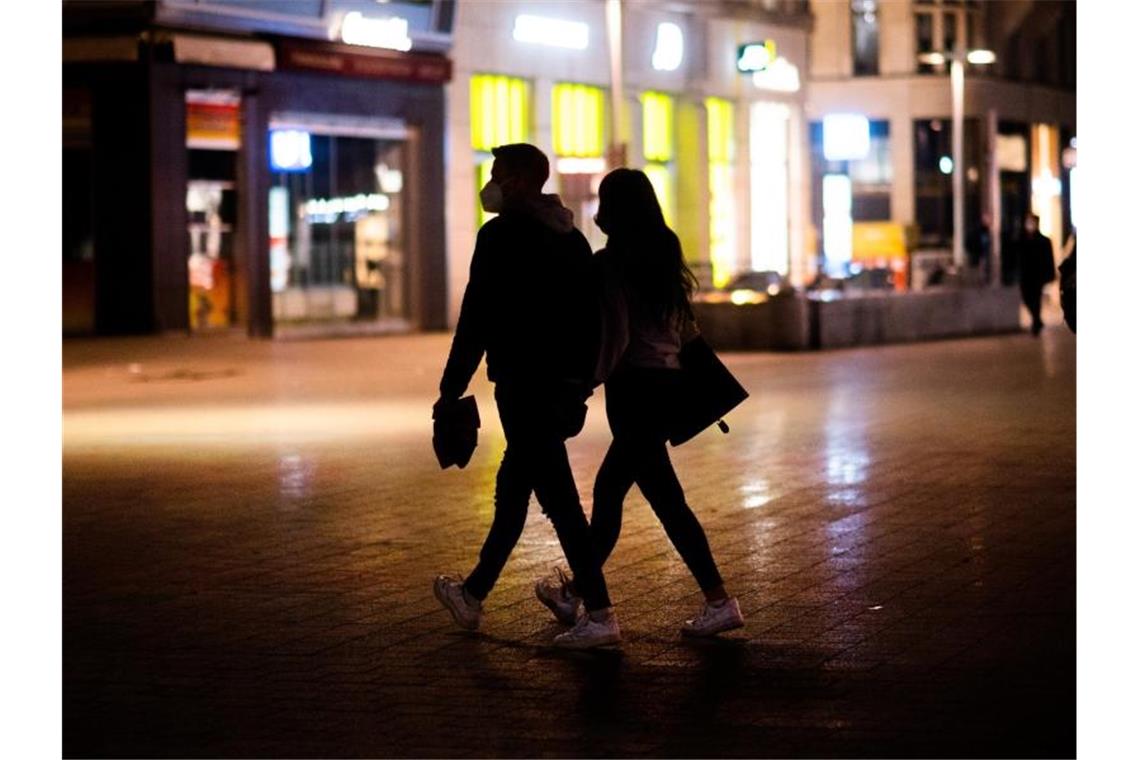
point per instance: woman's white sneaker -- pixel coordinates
(588, 633)
(714, 619)
(468, 613)
(554, 592)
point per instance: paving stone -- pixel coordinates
(248, 558)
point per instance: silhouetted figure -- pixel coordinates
(979, 247)
(1035, 268)
(1068, 270)
(645, 288)
(527, 306)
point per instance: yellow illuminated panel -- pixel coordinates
(657, 126)
(722, 206)
(662, 180)
(482, 176)
(500, 111)
(722, 248)
(721, 125)
(578, 116)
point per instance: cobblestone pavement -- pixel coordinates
(250, 531)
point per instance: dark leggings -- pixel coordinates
(637, 401)
(536, 461)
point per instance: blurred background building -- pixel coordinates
(313, 166)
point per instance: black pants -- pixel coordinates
(535, 426)
(1031, 297)
(637, 401)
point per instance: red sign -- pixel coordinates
(409, 67)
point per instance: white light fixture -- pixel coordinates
(981, 57)
(780, 76)
(290, 150)
(846, 137)
(755, 56)
(670, 48)
(946, 165)
(542, 30)
(390, 33)
(933, 59)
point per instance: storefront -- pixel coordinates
(276, 181)
(723, 144)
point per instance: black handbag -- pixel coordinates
(708, 391)
(455, 432)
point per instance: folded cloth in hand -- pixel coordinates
(455, 432)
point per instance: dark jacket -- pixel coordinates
(1035, 260)
(529, 304)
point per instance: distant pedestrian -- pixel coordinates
(1034, 267)
(1068, 270)
(527, 306)
(645, 289)
(979, 247)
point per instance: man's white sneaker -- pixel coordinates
(714, 619)
(449, 591)
(588, 633)
(554, 592)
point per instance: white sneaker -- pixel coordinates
(588, 633)
(554, 592)
(715, 619)
(449, 592)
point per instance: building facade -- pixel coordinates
(879, 60)
(268, 166)
(653, 85)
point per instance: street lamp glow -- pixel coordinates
(946, 164)
(933, 59)
(981, 57)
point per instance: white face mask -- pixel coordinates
(491, 196)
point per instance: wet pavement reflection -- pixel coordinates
(249, 537)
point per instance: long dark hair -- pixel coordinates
(652, 265)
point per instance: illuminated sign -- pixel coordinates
(290, 150)
(779, 76)
(542, 30)
(328, 210)
(670, 49)
(390, 33)
(846, 137)
(755, 56)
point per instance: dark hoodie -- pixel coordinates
(529, 304)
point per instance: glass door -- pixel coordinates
(338, 229)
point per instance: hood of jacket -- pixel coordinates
(548, 210)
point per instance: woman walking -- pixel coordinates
(647, 316)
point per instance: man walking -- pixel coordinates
(1035, 268)
(528, 308)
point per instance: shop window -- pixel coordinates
(871, 178)
(933, 171)
(865, 37)
(722, 206)
(658, 120)
(337, 227)
(213, 137)
(578, 121)
(500, 115)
